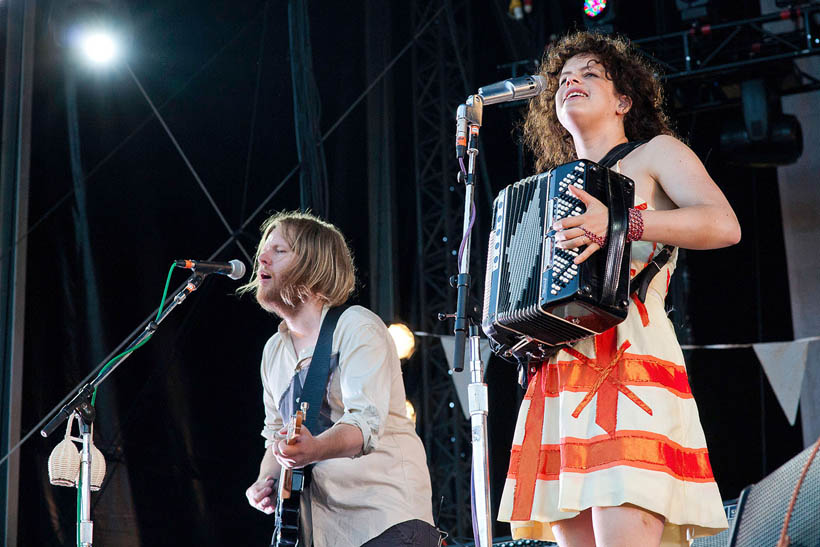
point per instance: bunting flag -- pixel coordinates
(810, 396)
(785, 366)
(462, 379)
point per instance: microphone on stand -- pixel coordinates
(234, 269)
(513, 89)
(461, 131)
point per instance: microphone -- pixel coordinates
(513, 89)
(234, 269)
(461, 131)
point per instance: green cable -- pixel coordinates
(123, 354)
(106, 367)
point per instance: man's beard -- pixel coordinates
(270, 298)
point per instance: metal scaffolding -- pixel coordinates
(440, 61)
(704, 65)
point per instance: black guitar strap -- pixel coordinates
(640, 283)
(316, 380)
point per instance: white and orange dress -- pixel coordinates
(610, 421)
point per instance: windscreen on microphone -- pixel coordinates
(234, 269)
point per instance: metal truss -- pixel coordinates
(727, 47)
(440, 61)
(728, 53)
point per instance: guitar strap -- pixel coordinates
(317, 376)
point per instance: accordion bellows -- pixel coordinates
(534, 295)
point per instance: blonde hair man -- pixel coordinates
(370, 483)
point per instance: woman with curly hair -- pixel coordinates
(608, 448)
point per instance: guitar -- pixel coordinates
(291, 485)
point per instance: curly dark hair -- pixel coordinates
(631, 75)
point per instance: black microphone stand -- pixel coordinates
(81, 405)
(468, 123)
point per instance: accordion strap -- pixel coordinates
(616, 240)
(618, 228)
(619, 152)
(640, 283)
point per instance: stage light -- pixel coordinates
(410, 410)
(692, 10)
(594, 8)
(600, 15)
(403, 338)
(95, 32)
(99, 47)
(764, 136)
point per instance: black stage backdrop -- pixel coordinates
(179, 421)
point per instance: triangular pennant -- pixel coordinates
(784, 364)
(462, 379)
(810, 395)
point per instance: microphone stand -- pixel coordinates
(468, 121)
(81, 405)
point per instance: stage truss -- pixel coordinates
(441, 61)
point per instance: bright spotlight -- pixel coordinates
(403, 338)
(99, 47)
(410, 410)
(593, 8)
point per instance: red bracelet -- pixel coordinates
(635, 232)
(595, 238)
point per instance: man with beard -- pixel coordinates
(370, 483)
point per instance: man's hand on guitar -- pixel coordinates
(304, 450)
(262, 495)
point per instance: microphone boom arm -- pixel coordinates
(81, 402)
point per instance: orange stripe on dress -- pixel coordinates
(635, 370)
(636, 449)
(641, 309)
(525, 468)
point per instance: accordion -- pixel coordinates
(534, 295)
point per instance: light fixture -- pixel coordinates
(403, 338)
(764, 136)
(594, 8)
(600, 15)
(99, 47)
(692, 10)
(94, 31)
(410, 410)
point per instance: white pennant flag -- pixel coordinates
(462, 379)
(784, 364)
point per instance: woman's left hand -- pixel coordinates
(570, 230)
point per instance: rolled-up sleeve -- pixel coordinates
(273, 420)
(365, 364)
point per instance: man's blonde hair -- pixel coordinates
(322, 264)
